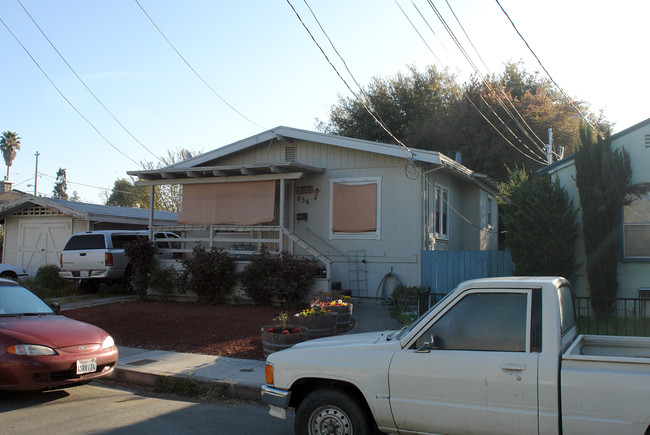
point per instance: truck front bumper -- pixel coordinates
(277, 399)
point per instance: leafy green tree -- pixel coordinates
(61, 185)
(404, 102)
(9, 145)
(603, 178)
(127, 194)
(430, 111)
(541, 225)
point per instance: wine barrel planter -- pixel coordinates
(318, 326)
(272, 342)
(344, 317)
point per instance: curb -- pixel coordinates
(231, 389)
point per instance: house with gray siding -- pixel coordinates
(360, 209)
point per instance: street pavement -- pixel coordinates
(241, 378)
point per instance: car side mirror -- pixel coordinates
(56, 307)
(428, 345)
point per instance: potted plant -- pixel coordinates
(340, 304)
(281, 334)
(404, 296)
(319, 321)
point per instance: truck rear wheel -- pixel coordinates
(329, 411)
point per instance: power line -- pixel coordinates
(84, 83)
(532, 155)
(193, 70)
(63, 96)
(409, 153)
(547, 73)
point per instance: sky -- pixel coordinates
(253, 67)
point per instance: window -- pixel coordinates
(355, 208)
(85, 241)
(482, 322)
(441, 210)
(636, 229)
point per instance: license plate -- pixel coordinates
(86, 366)
(84, 274)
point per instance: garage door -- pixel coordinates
(41, 241)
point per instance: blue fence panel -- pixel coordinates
(442, 271)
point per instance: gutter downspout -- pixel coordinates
(281, 219)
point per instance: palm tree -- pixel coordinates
(9, 145)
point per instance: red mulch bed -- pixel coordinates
(224, 330)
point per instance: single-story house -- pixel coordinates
(634, 264)
(36, 228)
(361, 209)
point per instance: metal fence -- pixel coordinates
(626, 316)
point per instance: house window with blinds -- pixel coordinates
(355, 208)
(636, 229)
(244, 203)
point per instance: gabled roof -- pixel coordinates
(199, 166)
(90, 212)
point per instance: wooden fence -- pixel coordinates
(442, 271)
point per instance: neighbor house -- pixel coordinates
(360, 209)
(36, 228)
(634, 263)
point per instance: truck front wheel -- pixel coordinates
(328, 411)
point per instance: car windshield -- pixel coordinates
(17, 300)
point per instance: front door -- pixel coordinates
(481, 377)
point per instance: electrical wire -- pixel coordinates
(63, 96)
(84, 83)
(532, 155)
(193, 70)
(409, 153)
(547, 73)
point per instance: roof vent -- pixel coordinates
(290, 154)
(647, 140)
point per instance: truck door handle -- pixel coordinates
(510, 367)
(83, 254)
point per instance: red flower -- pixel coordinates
(286, 332)
(296, 330)
(271, 330)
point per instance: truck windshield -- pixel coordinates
(405, 330)
(567, 312)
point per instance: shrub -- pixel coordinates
(209, 273)
(48, 284)
(257, 277)
(165, 280)
(142, 255)
(285, 277)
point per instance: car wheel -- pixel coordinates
(9, 275)
(329, 411)
(89, 286)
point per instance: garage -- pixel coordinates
(36, 228)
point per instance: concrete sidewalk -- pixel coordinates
(240, 378)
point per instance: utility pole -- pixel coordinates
(549, 147)
(36, 174)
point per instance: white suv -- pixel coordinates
(94, 257)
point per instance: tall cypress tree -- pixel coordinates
(603, 178)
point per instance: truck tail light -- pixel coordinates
(108, 259)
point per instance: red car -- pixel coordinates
(41, 349)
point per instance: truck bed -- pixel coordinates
(609, 348)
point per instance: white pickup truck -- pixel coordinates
(495, 356)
